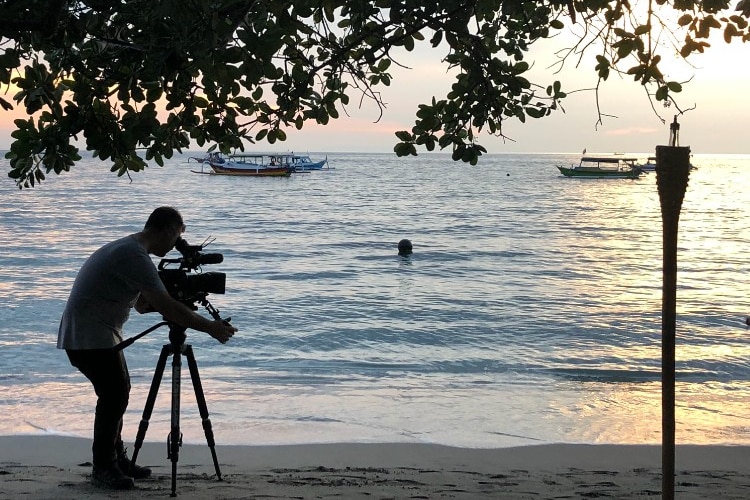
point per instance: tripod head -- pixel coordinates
(177, 335)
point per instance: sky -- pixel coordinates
(718, 92)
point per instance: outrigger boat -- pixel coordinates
(650, 164)
(300, 163)
(604, 167)
(241, 165)
(208, 158)
(269, 164)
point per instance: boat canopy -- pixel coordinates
(607, 159)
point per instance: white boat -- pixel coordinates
(300, 163)
(208, 158)
(650, 165)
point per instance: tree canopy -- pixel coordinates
(138, 80)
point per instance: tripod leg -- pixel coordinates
(149, 408)
(202, 408)
(174, 441)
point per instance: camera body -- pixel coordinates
(183, 283)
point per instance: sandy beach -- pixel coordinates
(53, 467)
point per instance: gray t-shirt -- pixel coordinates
(103, 293)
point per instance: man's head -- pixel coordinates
(164, 218)
(164, 226)
(404, 247)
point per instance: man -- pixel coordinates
(115, 278)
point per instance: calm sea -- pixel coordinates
(530, 311)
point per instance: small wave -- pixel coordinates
(313, 418)
(529, 438)
(637, 376)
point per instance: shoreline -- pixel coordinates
(46, 467)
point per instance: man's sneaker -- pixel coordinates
(111, 478)
(137, 472)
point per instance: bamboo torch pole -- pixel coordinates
(672, 171)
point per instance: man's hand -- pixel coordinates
(221, 331)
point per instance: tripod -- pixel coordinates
(176, 348)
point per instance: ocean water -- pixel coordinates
(529, 312)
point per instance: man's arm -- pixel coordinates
(142, 306)
(177, 312)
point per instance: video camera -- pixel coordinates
(190, 288)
